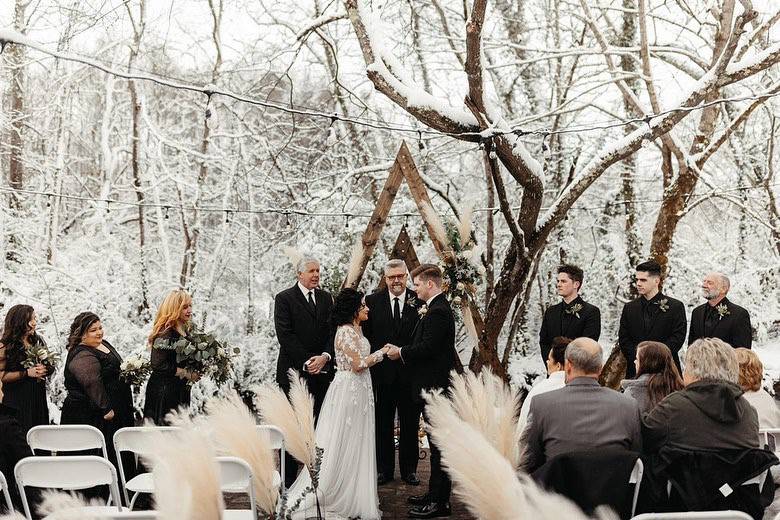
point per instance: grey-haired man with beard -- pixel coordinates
(718, 317)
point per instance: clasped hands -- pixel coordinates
(392, 352)
(315, 364)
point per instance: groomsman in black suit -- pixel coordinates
(392, 319)
(301, 317)
(431, 355)
(718, 317)
(653, 316)
(571, 318)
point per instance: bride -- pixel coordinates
(345, 429)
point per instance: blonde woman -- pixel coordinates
(168, 386)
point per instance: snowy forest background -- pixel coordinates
(576, 95)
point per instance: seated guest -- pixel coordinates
(582, 415)
(13, 448)
(555, 380)
(710, 412)
(657, 375)
(751, 373)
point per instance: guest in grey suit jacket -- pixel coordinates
(582, 415)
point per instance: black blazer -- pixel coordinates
(557, 322)
(431, 355)
(380, 329)
(733, 328)
(667, 326)
(301, 334)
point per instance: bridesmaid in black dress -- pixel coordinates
(97, 396)
(168, 387)
(25, 388)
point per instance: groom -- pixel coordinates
(431, 356)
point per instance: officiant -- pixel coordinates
(392, 319)
(718, 317)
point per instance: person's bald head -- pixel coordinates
(584, 358)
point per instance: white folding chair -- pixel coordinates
(277, 443)
(66, 437)
(769, 438)
(695, 515)
(235, 476)
(636, 479)
(67, 473)
(138, 440)
(6, 494)
(135, 515)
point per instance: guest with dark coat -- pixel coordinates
(97, 395)
(657, 376)
(572, 317)
(653, 316)
(25, 388)
(302, 322)
(719, 317)
(393, 319)
(13, 448)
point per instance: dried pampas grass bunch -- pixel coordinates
(490, 406)
(295, 417)
(237, 434)
(484, 479)
(185, 472)
(58, 505)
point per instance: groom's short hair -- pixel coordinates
(427, 272)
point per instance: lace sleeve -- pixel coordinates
(347, 344)
(85, 367)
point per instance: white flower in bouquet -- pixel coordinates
(456, 299)
(460, 286)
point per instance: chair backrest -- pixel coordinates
(66, 437)
(67, 473)
(636, 479)
(235, 476)
(138, 440)
(136, 515)
(769, 438)
(6, 494)
(277, 443)
(695, 515)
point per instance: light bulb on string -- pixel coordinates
(333, 137)
(165, 212)
(211, 114)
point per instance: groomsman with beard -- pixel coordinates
(573, 317)
(392, 319)
(718, 317)
(301, 318)
(653, 316)
(431, 356)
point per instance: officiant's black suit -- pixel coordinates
(303, 332)
(563, 319)
(392, 383)
(662, 318)
(430, 357)
(733, 327)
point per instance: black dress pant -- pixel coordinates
(389, 399)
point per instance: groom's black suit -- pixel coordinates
(392, 383)
(430, 357)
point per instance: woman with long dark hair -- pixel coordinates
(169, 385)
(657, 375)
(97, 395)
(25, 388)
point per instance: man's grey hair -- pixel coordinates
(305, 259)
(583, 358)
(711, 358)
(725, 283)
(395, 263)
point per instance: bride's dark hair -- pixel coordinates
(345, 307)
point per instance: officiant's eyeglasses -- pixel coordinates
(396, 277)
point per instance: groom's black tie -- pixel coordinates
(311, 302)
(396, 313)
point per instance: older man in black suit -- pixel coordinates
(718, 317)
(431, 355)
(301, 317)
(392, 319)
(653, 316)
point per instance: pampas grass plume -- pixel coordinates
(464, 224)
(293, 254)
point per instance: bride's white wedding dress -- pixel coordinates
(345, 431)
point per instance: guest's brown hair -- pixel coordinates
(751, 370)
(427, 272)
(656, 359)
(558, 349)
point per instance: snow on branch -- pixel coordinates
(316, 23)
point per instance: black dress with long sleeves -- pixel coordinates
(94, 388)
(165, 391)
(26, 396)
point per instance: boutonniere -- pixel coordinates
(413, 302)
(722, 311)
(422, 310)
(575, 310)
(663, 304)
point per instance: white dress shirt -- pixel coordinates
(306, 292)
(401, 301)
(554, 382)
